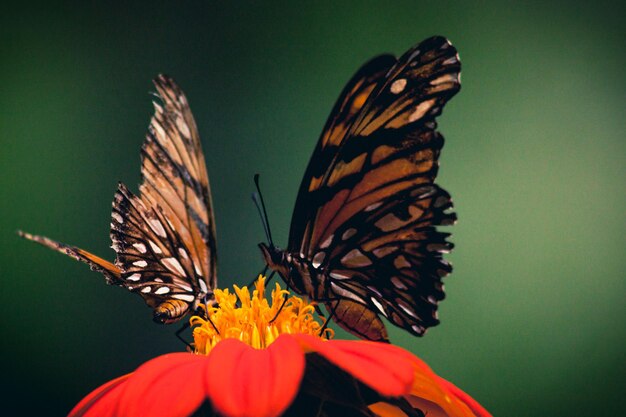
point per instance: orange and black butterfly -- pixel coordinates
(165, 236)
(363, 236)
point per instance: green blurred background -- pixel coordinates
(534, 322)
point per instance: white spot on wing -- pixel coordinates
(446, 78)
(159, 129)
(203, 286)
(140, 247)
(146, 290)
(398, 86)
(155, 248)
(197, 269)
(173, 265)
(348, 233)
(397, 282)
(185, 297)
(140, 264)
(451, 60)
(345, 293)
(407, 310)
(373, 206)
(134, 277)
(379, 306)
(162, 290)
(339, 276)
(157, 227)
(182, 127)
(421, 109)
(417, 329)
(183, 253)
(318, 259)
(118, 218)
(326, 243)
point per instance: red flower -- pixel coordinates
(293, 375)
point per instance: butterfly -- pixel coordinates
(164, 238)
(363, 238)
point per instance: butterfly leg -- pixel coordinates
(206, 312)
(319, 311)
(184, 327)
(267, 281)
(280, 309)
(330, 316)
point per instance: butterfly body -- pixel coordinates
(164, 237)
(171, 311)
(363, 237)
(298, 272)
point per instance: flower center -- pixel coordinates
(255, 321)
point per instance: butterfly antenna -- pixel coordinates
(257, 197)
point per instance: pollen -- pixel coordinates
(253, 319)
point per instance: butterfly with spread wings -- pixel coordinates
(164, 237)
(363, 237)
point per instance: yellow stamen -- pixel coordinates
(256, 322)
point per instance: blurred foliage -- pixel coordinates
(534, 320)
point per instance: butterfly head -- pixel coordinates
(295, 271)
(274, 257)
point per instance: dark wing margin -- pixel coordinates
(341, 118)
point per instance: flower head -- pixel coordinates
(253, 320)
(254, 358)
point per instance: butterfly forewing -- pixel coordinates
(391, 145)
(341, 118)
(175, 177)
(165, 237)
(368, 207)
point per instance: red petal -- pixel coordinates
(465, 398)
(168, 386)
(385, 368)
(102, 401)
(245, 382)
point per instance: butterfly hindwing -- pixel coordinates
(155, 261)
(389, 258)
